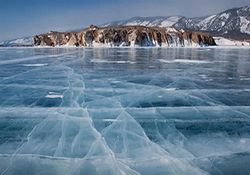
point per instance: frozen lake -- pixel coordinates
(125, 111)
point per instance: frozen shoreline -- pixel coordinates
(127, 47)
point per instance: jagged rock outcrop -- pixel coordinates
(125, 36)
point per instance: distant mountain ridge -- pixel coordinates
(25, 41)
(231, 23)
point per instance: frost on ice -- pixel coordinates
(124, 111)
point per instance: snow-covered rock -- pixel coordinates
(228, 42)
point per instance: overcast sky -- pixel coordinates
(19, 18)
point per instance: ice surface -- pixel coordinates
(124, 111)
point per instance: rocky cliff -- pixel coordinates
(125, 36)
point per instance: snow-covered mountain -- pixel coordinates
(233, 22)
(159, 21)
(26, 41)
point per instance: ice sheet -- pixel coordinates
(124, 111)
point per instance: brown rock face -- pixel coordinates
(125, 36)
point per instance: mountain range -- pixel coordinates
(233, 23)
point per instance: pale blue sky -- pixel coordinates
(19, 18)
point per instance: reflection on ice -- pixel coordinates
(124, 111)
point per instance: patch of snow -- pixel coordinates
(106, 25)
(244, 25)
(191, 61)
(170, 89)
(144, 23)
(226, 42)
(54, 96)
(133, 23)
(132, 44)
(170, 21)
(184, 61)
(17, 41)
(170, 29)
(207, 21)
(109, 120)
(111, 62)
(224, 16)
(35, 65)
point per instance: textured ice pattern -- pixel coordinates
(124, 111)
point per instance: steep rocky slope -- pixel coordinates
(125, 36)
